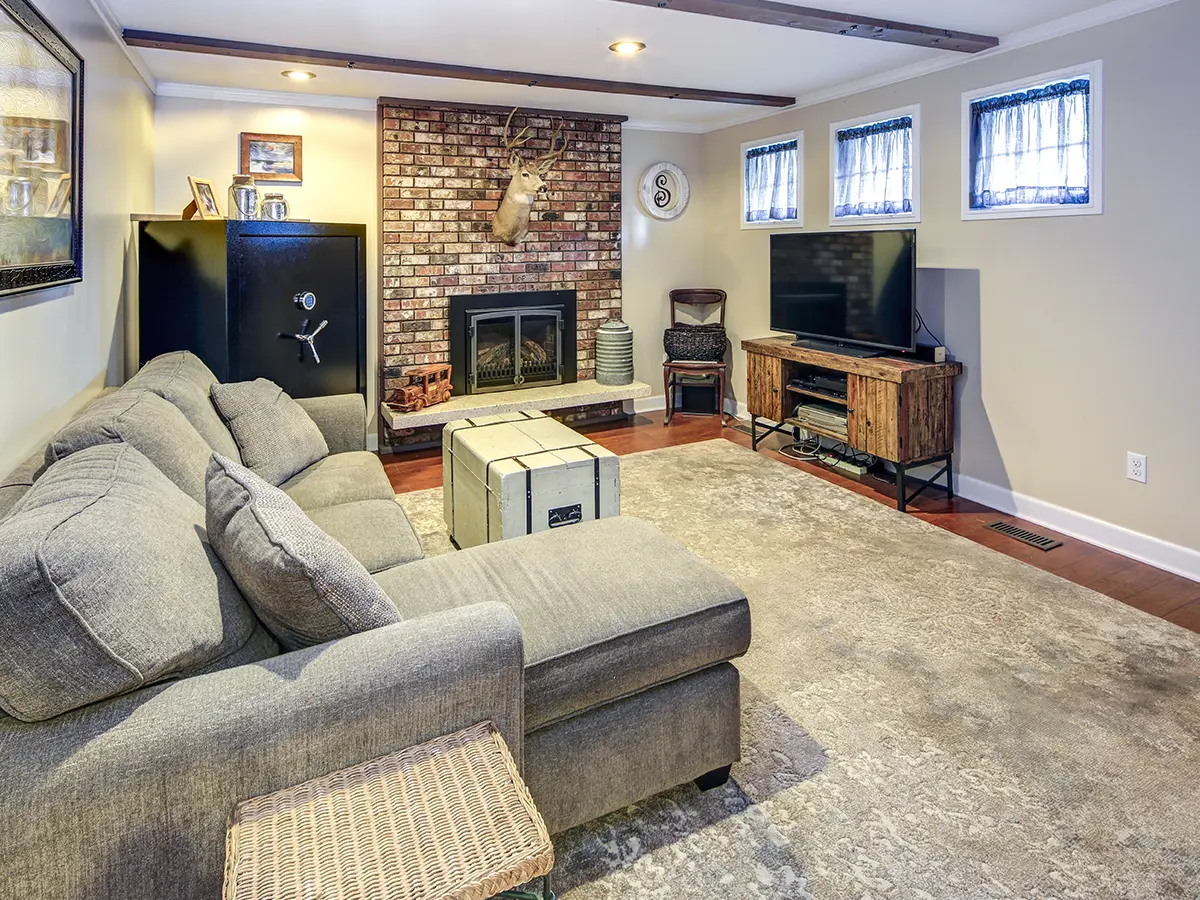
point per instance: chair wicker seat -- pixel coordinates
(449, 819)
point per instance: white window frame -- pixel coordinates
(798, 222)
(1095, 206)
(900, 220)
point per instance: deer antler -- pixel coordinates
(523, 136)
(547, 161)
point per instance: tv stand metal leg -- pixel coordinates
(950, 476)
(754, 433)
(901, 488)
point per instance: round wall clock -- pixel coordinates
(665, 191)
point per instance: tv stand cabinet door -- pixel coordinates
(873, 422)
(765, 395)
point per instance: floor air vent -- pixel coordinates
(1032, 538)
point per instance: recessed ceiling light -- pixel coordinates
(297, 75)
(627, 48)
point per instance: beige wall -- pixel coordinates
(658, 256)
(59, 347)
(1078, 333)
(201, 138)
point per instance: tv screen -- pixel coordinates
(846, 287)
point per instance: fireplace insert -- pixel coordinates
(501, 342)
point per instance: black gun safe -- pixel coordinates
(280, 300)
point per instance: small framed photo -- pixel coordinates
(204, 198)
(273, 157)
(62, 197)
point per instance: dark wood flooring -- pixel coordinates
(1157, 592)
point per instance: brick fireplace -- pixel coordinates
(444, 172)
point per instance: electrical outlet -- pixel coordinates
(1135, 467)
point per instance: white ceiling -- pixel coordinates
(564, 37)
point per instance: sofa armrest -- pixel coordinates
(342, 419)
(129, 798)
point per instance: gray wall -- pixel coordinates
(1079, 334)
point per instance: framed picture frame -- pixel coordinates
(60, 200)
(41, 156)
(273, 157)
(205, 204)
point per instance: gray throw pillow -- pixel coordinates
(107, 584)
(305, 586)
(276, 437)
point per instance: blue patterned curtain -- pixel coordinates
(873, 169)
(771, 179)
(1032, 147)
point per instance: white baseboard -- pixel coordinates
(1150, 550)
(373, 442)
(659, 403)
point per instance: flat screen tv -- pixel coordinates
(848, 288)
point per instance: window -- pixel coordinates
(876, 168)
(1033, 148)
(772, 182)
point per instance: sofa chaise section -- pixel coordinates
(624, 630)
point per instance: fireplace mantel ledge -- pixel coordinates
(541, 399)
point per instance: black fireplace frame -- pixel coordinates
(462, 307)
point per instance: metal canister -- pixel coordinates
(20, 196)
(614, 353)
(275, 207)
(243, 198)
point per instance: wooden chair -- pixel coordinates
(695, 297)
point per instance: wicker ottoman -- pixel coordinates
(450, 819)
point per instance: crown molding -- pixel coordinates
(113, 26)
(264, 98)
(670, 127)
(1048, 31)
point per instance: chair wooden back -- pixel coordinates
(697, 297)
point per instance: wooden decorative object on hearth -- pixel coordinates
(427, 386)
(705, 344)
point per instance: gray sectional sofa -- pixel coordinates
(601, 651)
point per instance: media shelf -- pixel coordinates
(898, 410)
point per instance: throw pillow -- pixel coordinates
(107, 584)
(305, 586)
(276, 437)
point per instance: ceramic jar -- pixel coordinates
(614, 353)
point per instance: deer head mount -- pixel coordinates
(511, 221)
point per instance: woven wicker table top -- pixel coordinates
(450, 819)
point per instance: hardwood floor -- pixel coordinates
(1157, 592)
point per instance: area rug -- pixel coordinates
(922, 717)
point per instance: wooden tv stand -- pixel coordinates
(898, 410)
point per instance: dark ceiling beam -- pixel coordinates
(769, 12)
(300, 57)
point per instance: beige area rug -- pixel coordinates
(923, 717)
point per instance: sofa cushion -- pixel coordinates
(17, 483)
(107, 583)
(155, 427)
(608, 608)
(376, 532)
(341, 478)
(277, 438)
(305, 586)
(184, 381)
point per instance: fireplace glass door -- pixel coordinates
(513, 348)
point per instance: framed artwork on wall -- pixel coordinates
(273, 157)
(41, 153)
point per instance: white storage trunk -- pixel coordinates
(517, 473)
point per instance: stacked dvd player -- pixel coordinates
(824, 417)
